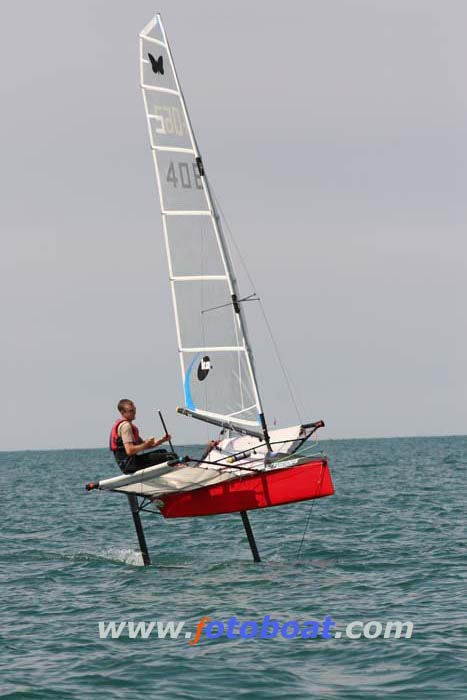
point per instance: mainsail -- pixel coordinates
(215, 357)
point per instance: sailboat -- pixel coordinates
(252, 466)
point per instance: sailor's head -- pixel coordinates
(127, 408)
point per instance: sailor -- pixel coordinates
(127, 444)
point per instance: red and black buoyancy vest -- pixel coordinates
(116, 442)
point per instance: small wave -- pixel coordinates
(125, 556)
(450, 459)
(368, 465)
(131, 557)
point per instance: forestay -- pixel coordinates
(216, 361)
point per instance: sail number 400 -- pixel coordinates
(182, 175)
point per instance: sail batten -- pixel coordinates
(172, 148)
(188, 212)
(219, 348)
(215, 358)
(153, 41)
(160, 89)
(191, 278)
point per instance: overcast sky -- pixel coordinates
(335, 135)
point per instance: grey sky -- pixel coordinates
(334, 133)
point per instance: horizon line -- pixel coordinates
(347, 439)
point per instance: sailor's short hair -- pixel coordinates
(123, 403)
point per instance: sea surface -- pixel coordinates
(389, 545)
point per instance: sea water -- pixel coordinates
(388, 546)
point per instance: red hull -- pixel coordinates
(272, 488)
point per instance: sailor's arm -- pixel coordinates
(166, 438)
(210, 446)
(132, 449)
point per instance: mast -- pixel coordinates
(239, 315)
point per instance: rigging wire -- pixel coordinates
(288, 380)
(282, 365)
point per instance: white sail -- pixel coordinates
(216, 361)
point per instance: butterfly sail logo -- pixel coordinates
(157, 65)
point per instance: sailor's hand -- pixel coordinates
(167, 438)
(150, 442)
